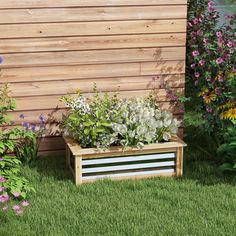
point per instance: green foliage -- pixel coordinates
(228, 151)
(104, 120)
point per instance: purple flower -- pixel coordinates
(33, 128)
(209, 110)
(208, 79)
(16, 194)
(2, 179)
(195, 53)
(4, 198)
(16, 208)
(190, 24)
(22, 116)
(221, 79)
(1, 60)
(193, 66)
(195, 21)
(25, 203)
(219, 34)
(211, 9)
(211, 4)
(41, 118)
(2, 189)
(1, 159)
(219, 60)
(202, 62)
(196, 74)
(26, 125)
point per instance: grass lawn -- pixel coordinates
(200, 203)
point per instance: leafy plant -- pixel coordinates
(104, 120)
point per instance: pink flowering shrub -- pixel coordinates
(211, 60)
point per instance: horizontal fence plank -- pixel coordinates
(128, 159)
(127, 167)
(82, 3)
(93, 57)
(138, 174)
(50, 102)
(103, 84)
(91, 43)
(92, 28)
(32, 116)
(92, 71)
(92, 14)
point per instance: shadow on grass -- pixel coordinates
(54, 167)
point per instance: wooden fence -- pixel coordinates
(53, 47)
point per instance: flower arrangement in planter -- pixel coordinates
(103, 129)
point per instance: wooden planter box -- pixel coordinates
(91, 164)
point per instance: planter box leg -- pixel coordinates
(68, 156)
(78, 170)
(179, 161)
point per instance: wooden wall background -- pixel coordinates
(54, 47)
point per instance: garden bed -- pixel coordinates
(91, 164)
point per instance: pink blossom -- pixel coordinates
(211, 4)
(219, 60)
(234, 70)
(25, 203)
(195, 21)
(209, 110)
(195, 53)
(210, 9)
(205, 40)
(208, 79)
(16, 194)
(16, 208)
(196, 74)
(230, 44)
(2, 179)
(193, 66)
(190, 24)
(4, 198)
(1, 159)
(219, 34)
(202, 62)
(19, 212)
(2, 189)
(229, 16)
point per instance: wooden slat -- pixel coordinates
(103, 84)
(50, 102)
(93, 57)
(92, 14)
(129, 159)
(91, 43)
(82, 3)
(92, 71)
(92, 28)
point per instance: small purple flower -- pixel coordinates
(219, 60)
(33, 128)
(195, 53)
(208, 79)
(41, 118)
(221, 79)
(22, 116)
(195, 21)
(1, 159)
(193, 66)
(4, 198)
(25, 203)
(16, 194)
(202, 62)
(211, 4)
(209, 110)
(26, 125)
(190, 24)
(2, 189)
(2, 179)
(16, 208)
(197, 74)
(1, 60)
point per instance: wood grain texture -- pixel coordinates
(93, 57)
(92, 28)
(92, 71)
(92, 14)
(91, 43)
(82, 3)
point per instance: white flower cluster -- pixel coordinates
(79, 103)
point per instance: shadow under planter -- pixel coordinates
(91, 164)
